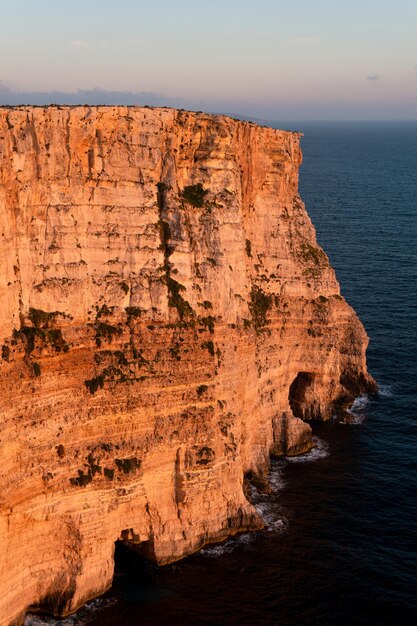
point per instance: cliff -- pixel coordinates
(167, 322)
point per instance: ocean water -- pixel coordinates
(341, 543)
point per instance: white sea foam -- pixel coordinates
(273, 523)
(267, 507)
(216, 551)
(228, 546)
(357, 411)
(266, 504)
(385, 391)
(320, 451)
(34, 620)
(77, 619)
(269, 511)
(276, 478)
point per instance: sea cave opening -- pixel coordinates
(135, 576)
(297, 395)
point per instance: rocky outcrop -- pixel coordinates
(167, 322)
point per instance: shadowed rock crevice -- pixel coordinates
(132, 545)
(300, 390)
(134, 575)
(58, 598)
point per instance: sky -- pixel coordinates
(266, 59)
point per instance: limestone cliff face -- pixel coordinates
(166, 319)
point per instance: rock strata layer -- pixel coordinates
(167, 322)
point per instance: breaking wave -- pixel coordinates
(266, 505)
(228, 546)
(320, 451)
(81, 618)
(358, 410)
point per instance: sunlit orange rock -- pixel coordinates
(166, 319)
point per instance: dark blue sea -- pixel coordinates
(341, 547)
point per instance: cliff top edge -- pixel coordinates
(129, 107)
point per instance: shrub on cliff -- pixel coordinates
(41, 318)
(208, 345)
(36, 369)
(208, 323)
(82, 479)
(175, 299)
(260, 303)
(5, 352)
(105, 331)
(202, 389)
(127, 466)
(94, 383)
(195, 195)
(133, 311)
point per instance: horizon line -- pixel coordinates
(236, 116)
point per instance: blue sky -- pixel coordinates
(298, 59)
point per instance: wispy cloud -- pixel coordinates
(372, 77)
(305, 41)
(80, 43)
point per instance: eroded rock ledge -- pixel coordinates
(166, 319)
